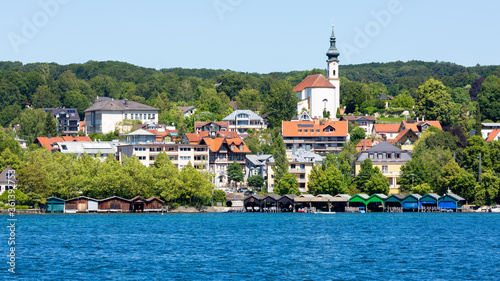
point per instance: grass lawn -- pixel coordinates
(391, 119)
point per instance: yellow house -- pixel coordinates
(389, 159)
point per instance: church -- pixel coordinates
(318, 95)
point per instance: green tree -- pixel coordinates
(434, 102)
(403, 101)
(167, 180)
(256, 181)
(494, 151)
(248, 99)
(457, 180)
(50, 127)
(280, 166)
(7, 158)
(357, 135)
(326, 179)
(235, 172)
(489, 98)
(8, 114)
(8, 141)
(365, 173)
(476, 145)
(32, 123)
(281, 104)
(231, 84)
(219, 196)
(377, 184)
(196, 188)
(488, 189)
(21, 198)
(45, 98)
(422, 189)
(288, 184)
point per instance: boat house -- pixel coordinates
(54, 205)
(410, 202)
(114, 204)
(82, 204)
(450, 201)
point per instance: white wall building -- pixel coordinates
(317, 94)
(7, 180)
(103, 116)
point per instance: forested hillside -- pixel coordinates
(77, 85)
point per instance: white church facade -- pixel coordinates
(317, 94)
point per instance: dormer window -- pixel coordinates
(241, 146)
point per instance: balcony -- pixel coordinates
(297, 171)
(301, 180)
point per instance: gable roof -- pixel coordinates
(493, 135)
(184, 109)
(140, 132)
(119, 105)
(258, 160)
(222, 124)
(384, 147)
(3, 175)
(82, 197)
(47, 142)
(382, 97)
(114, 197)
(298, 128)
(365, 143)
(386, 128)
(72, 112)
(357, 118)
(402, 134)
(252, 115)
(313, 81)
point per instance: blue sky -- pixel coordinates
(249, 35)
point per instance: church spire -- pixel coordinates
(332, 53)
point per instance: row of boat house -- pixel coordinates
(83, 204)
(343, 202)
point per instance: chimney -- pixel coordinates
(423, 118)
(417, 119)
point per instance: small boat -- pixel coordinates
(324, 213)
(495, 209)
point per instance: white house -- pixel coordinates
(488, 128)
(7, 179)
(242, 120)
(318, 94)
(104, 116)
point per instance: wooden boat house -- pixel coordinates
(114, 204)
(82, 204)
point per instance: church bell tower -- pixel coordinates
(333, 68)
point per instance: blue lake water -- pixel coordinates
(244, 246)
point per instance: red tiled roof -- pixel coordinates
(82, 126)
(386, 128)
(493, 135)
(223, 124)
(364, 145)
(161, 136)
(298, 128)
(313, 81)
(47, 142)
(434, 124)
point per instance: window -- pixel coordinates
(292, 166)
(380, 155)
(142, 157)
(158, 149)
(302, 176)
(152, 158)
(64, 147)
(398, 155)
(171, 149)
(317, 130)
(370, 155)
(149, 116)
(389, 155)
(300, 130)
(185, 148)
(185, 158)
(136, 116)
(305, 130)
(125, 116)
(385, 169)
(302, 166)
(153, 115)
